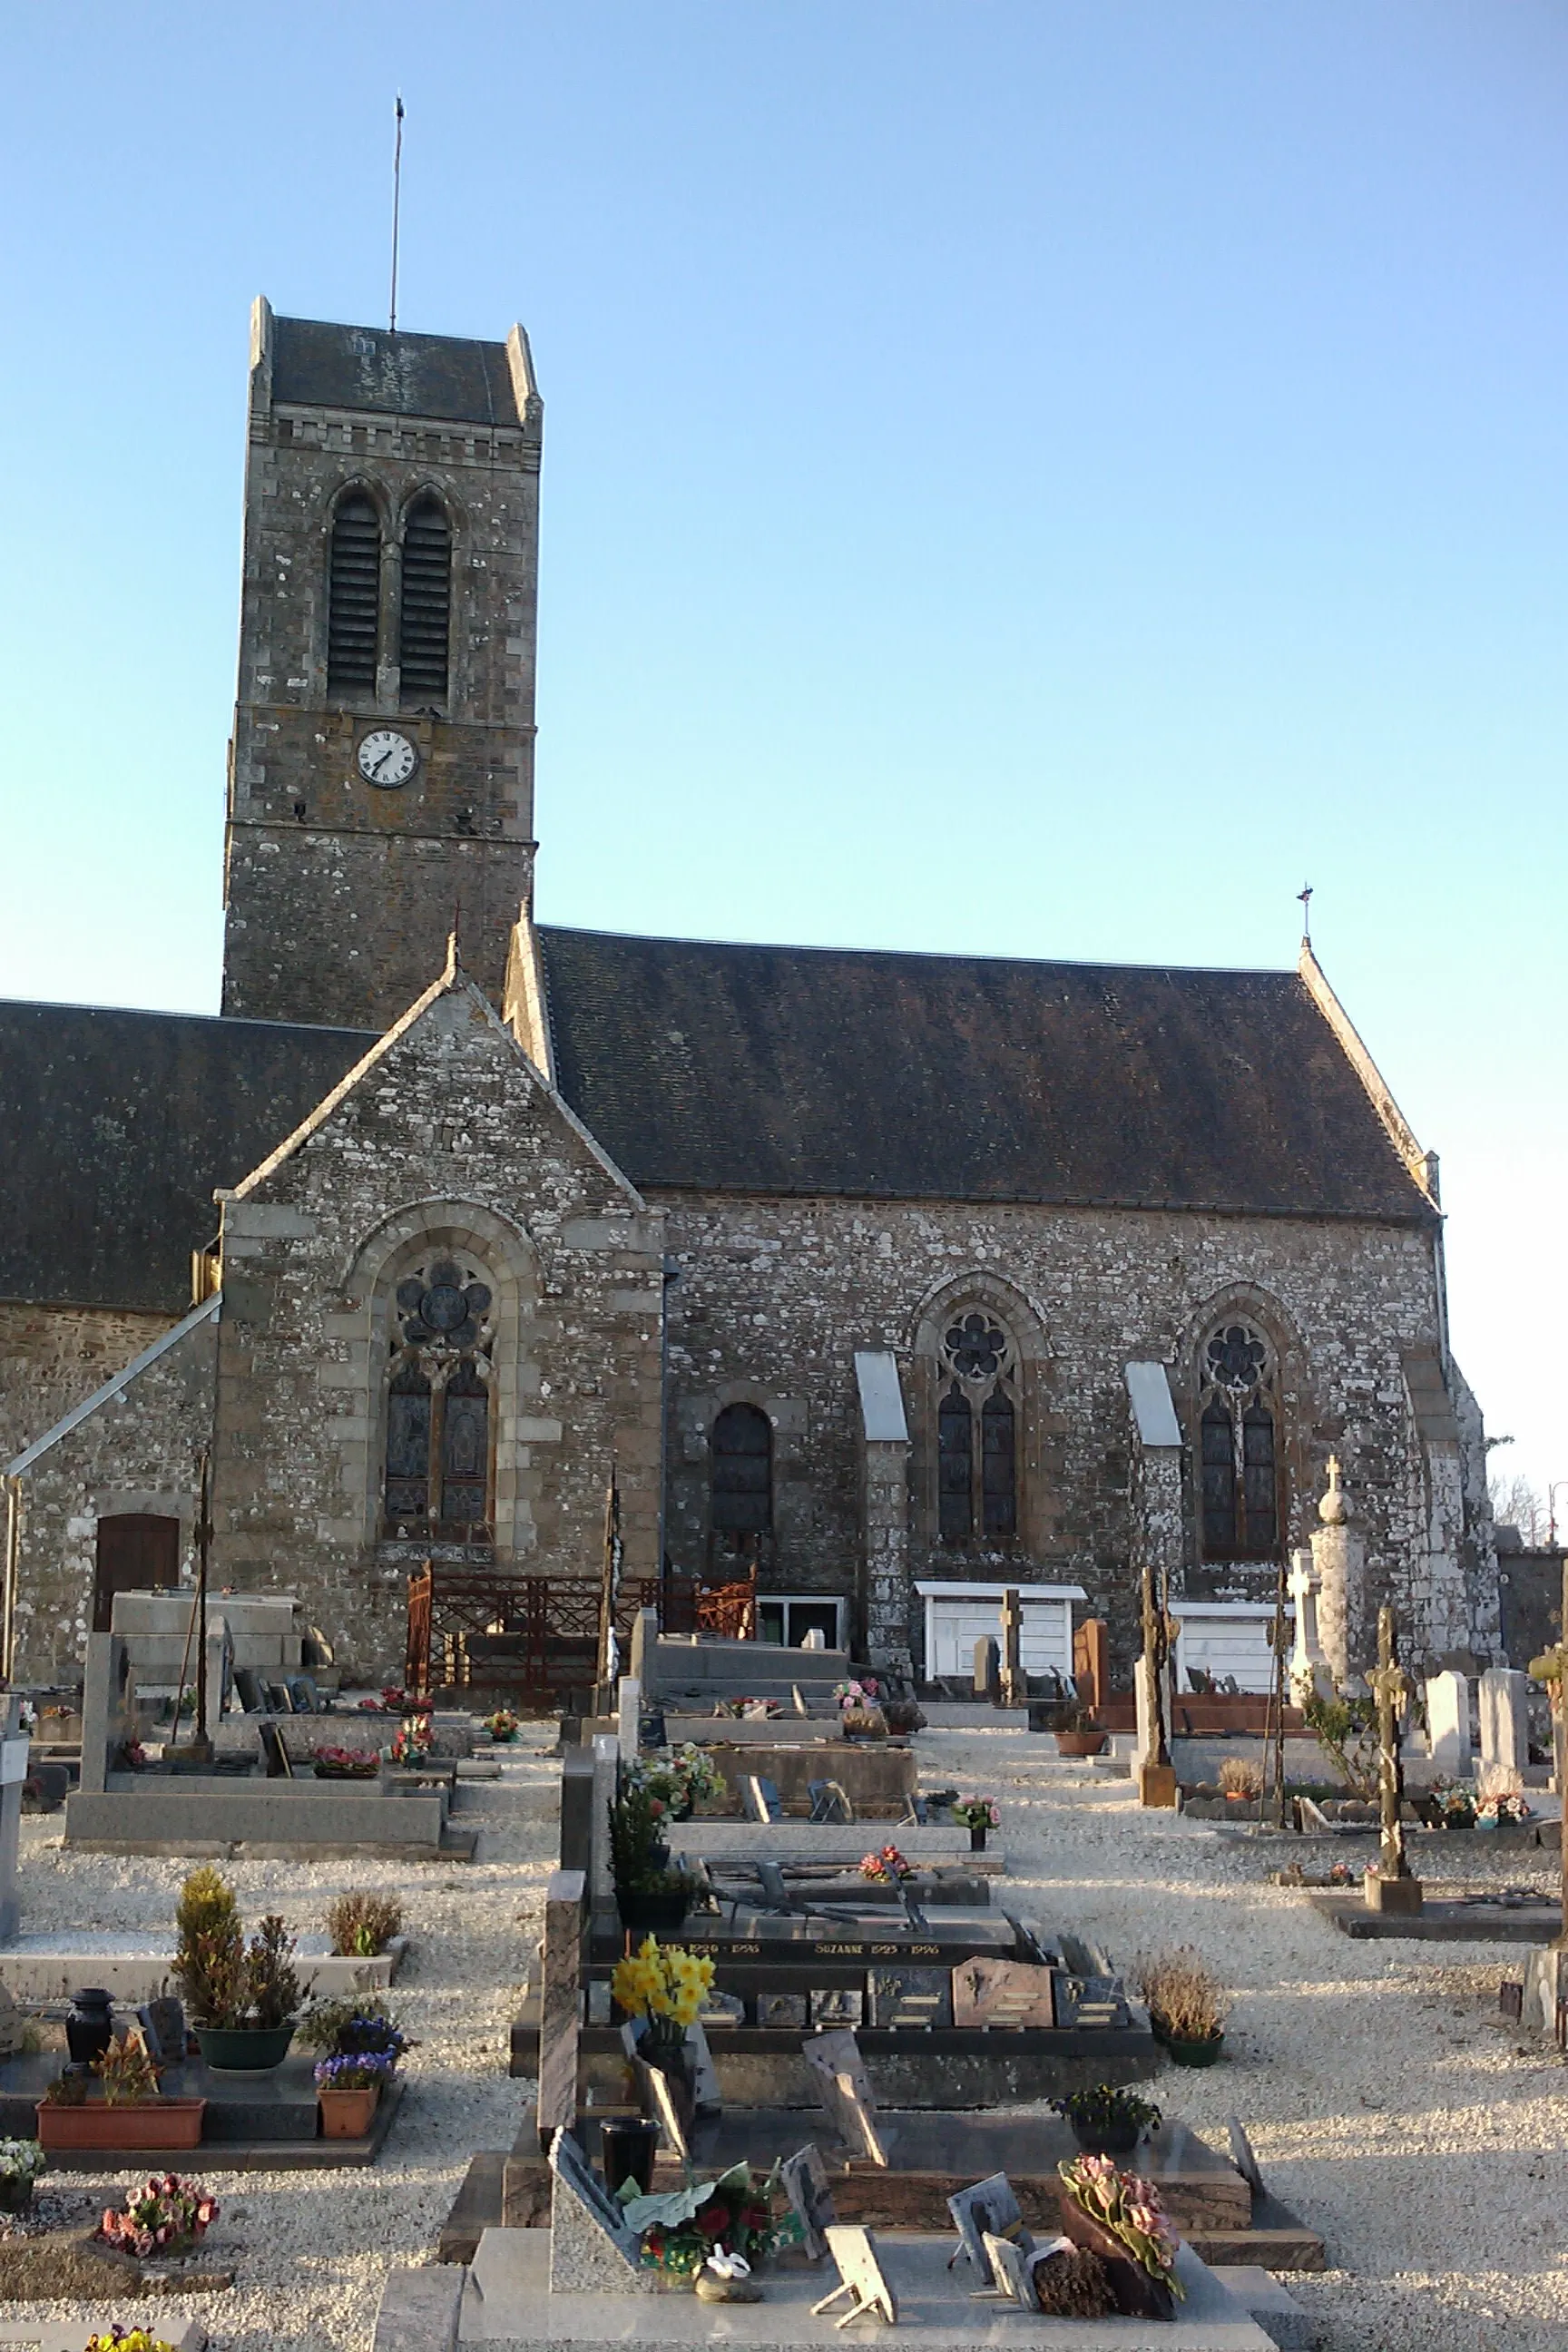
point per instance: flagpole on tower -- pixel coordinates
(397, 202)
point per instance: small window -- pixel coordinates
(353, 597)
(785, 1619)
(743, 1488)
(425, 628)
(1238, 1447)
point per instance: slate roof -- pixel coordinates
(802, 1070)
(114, 1130)
(318, 364)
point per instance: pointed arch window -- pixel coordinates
(1239, 1444)
(353, 596)
(439, 1429)
(425, 620)
(977, 1434)
(741, 1450)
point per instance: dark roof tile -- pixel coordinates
(316, 365)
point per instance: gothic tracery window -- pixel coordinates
(976, 1435)
(438, 1421)
(1238, 1429)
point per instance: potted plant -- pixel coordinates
(666, 1985)
(165, 2216)
(130, 2112)
(1188, 2004)
(242, 1999)
(1106, 2121)
(1241, 1779)
(21, 2161)
(363, 1925)
(347, 2088)
(1078, 1734)
(357, 2025)
(861, 1713)
(650, 1896)
(978, 1815)
(502, 1727)
(1118, 2216)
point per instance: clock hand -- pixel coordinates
(381, 763)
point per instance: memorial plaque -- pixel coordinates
(1011, 2274)
(845, 2090)
(599, 2001)
(719, 2009)
(988, 2206)
(910, 1998)
(845, 2006)
(1007, 1994)
(860, 2278)
(786, 2009)
(804, 2178)
(1090, 2000)
(658, 2101)
(763, 1803)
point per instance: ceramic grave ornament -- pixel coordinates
(845, 2090)
(804, 2179)
(860, 2278)
(986, 2208)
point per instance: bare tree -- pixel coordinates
(1517, 1504)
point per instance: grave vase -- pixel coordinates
(977, 1837)
(89, 2024)
(1138, 2296)
(15, 2191)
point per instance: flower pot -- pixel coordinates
(89, 2024)
(152, 2124)
(1138, 2296)
(15, 2191)
(347, 2115)
(243, 2049)
(1081, 1743)
(652, 1914)
(1108, 2139)
(1194, 2054)
(977, 1837)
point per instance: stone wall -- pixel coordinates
(774, 1296)
(447, 1144)
(52, 1359)
(137, 1453)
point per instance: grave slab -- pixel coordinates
(1452, 1922)
(50, 1968)
(825, 1842)
(507, 2303)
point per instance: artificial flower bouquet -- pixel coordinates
(21, 2160)
(414, 1744)
(502, 1726)
(683, 2229)
(165, 2215)
(345, 1763)
(680, 1778)
(1128, 2208)
(887, 1866)
(978, 1814)
(858, 1697)
(1507, 1810)
(666, 1984)
(134, 2339)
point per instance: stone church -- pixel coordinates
(893, 1278)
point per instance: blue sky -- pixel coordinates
(1034, 479)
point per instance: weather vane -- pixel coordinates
(1306, 898)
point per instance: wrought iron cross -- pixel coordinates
(1391, 1687)
(1160, 1630)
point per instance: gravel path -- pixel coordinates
(1387, 2104)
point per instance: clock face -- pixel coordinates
(386, 758)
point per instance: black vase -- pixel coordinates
(650, 1915)
(1108, 2139)
(977, 1837)
(627, 2149)
(89, 2024)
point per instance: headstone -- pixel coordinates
(163, 2028)
(600, 1879)
(1338, 1556)
(1242, 2157)
(644, 1647)
(274, 1755)
(560, 2007)
(845, 2090)
(1006, 1993)
(829, 1801)
(861, 2277)
(591, 2250)
(1309, 1673)
(987, 1668)
(576, 1809)
(628, 1717)
(1505, 1735)
(804, 2179)
(987, 2206)
(1448, 1725)
(1091, 1661)
(1014, 1690)
(908, 1999)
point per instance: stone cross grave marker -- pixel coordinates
(1390, 1886)
(1308, 1672)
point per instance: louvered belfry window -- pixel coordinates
(353, 598)
(426, 626)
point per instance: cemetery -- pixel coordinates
(922, 1999)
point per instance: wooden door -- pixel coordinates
(137, 1552)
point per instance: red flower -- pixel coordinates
(713, 2220)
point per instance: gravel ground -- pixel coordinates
(1387, 2104)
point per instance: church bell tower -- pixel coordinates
(381, 774)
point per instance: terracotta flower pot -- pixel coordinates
(347, 2115)
(150, 2124)
(1138, 2296)
(1081, 1743)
